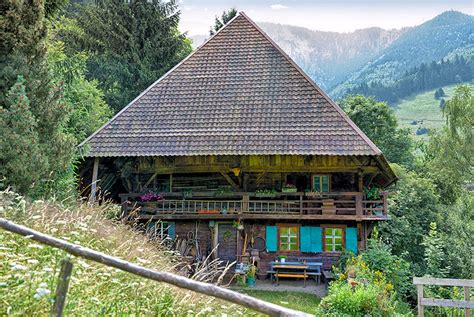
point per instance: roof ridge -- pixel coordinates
(158, 81)
(331, 102)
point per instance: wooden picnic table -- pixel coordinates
(295, 270)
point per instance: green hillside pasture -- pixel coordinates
(424, 109)
(29, 270)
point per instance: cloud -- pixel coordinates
(278, 7)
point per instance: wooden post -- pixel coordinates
(301, 204)
(467, 297)
(245, 204)
(176, 280)
(419, 289)
(171, 182)
(61, 290)
(385, 203)
(95, 172)
(358, 205)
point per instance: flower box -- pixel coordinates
(208, 211)
(289, 190)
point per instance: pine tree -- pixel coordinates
(23, 30)
(225, 17)
(131, 44)
(19, 137)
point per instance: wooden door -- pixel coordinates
(227, 240)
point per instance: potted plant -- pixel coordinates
(238, 225)
(372, 192)
(240, 280)
(289, 188)
(269, 193)
(251, 276)
(282, 258)
(150, 198)
(310, 193)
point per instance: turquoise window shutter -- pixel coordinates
(317, 184)
(351, 239)
(325, 185)
(271, 238)
(171, 230)
(305, 239)
(316, 239)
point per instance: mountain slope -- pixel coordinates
(430, 41)
(328, 57)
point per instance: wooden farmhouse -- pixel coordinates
(237, 145)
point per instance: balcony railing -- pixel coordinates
(342, 205)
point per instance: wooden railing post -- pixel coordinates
(301, 204)
(358, 204)
(467, 297)
(61, 290)
(419, 289)
(385, 203)
(245, 204)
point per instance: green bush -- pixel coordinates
(378, 257)
(361, 291)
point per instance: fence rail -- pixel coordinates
(334, 203)
(179, 281)
(422, 301)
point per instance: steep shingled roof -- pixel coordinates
(238, 94)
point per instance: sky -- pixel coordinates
(326, 15)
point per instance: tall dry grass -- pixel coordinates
(28, 270)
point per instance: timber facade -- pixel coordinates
(238, 145)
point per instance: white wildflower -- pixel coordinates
(3, 284)
(35, 246)
(36, 217)
(41, 291)
(48, 269)
(18, 267)
(32, 261)
(84, 264)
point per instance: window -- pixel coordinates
(288, 237)
(159, 230)
(321, 183)
(333, 238)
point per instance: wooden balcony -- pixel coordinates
(299, 205)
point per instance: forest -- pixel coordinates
(67, 68)
(426, 76)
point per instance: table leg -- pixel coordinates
(304, 278)
(278, 281)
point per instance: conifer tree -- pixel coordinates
(23, 29)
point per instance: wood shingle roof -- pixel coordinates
(238, 94)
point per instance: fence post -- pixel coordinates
(467, 297)
(420, 298)
(61, 290)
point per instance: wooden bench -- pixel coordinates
(328, 276)
(291, 270)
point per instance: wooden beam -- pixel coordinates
(263, 216)
(230, 181)
(169, 278)
(95, 172)
(150, 180)
(447, 303)
(442, 281)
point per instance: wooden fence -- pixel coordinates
(173, 279)
(422, 301)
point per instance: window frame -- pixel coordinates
(335, 226)
(161, 230)
(321, 183)
(288, 225)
